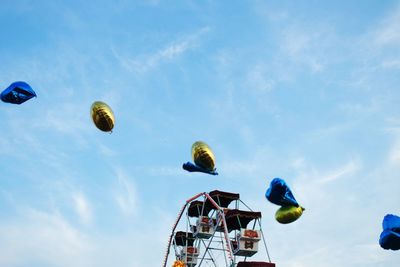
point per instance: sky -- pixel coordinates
(303, 90)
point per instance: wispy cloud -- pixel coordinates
(391, 64)
(126, 194)
(388, 32)
(146, 62)
(307, 171)
(106, 150)
(309, 47)
(46, 238)
(394, 151)
(61, 118)
(379, 46)
(259, 79)
(165, 170)
(82, 207)
(338, 255)
(341, 172)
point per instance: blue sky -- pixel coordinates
(303, 90)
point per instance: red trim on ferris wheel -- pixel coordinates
(212, 201)
(172, 233)
(226, 235)
(193, 198)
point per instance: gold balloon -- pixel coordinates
(288, 214)
(102, 116)
(203, 156)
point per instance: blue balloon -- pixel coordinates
(279, 193)
(389, 240)
(17, 93)
(190, 167)
(391, 222)
(390, 236)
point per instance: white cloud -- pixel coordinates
(237, 168)
(126, 195)
(380, 44)
(391, 64)
(68, 119)
(394, 155)
(45, 238)
(82, 207)
(337, 254)
(309, 47)
(393, 129)
(144, 63)
(388, 33)
(394, 152)
(259, 80)
(343, 171)
(331, 131)
(373, 106)
(41, 238)
(313, 184)
(106, 150)
(165, 170)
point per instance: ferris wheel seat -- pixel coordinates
(183, 238)
(244, 248)
(190, 262)
(189, 255)
(249, 235)
(255, 264)
(246, 243)
(191, 251)
(204, 228)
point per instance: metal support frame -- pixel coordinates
(229, 257)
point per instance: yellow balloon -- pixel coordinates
(102, 116)
(203, 156)
(178, 264)
(288, 214)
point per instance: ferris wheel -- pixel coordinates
(216, 229)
